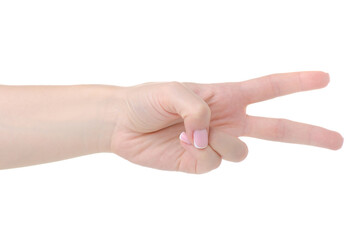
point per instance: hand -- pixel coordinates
(213, 117)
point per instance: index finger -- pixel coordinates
(276, 85)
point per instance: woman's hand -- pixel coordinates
(152, 116)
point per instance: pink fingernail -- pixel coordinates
(200, 139)
(183, 138)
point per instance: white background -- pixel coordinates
(281, 191)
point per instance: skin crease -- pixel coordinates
(149, 135)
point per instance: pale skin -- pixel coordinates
(143, 123)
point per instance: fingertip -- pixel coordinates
(201, 139)
(337, 141)
(184, 138)
(326, 79)
(314, 80)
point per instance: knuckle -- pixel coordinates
(274, 85)
(240, 153)
(173, 86)
(218, 162)
(244, 153)
(279, 130)
(201, 109)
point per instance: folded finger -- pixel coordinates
(196, 161)
(228, 147)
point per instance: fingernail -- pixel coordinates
(327, 77)
(200, 139)
(183, 138)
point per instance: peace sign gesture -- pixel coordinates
(210, 118)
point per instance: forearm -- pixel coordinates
(41, 124)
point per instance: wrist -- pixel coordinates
(111, 102)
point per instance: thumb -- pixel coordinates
(177, 98)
